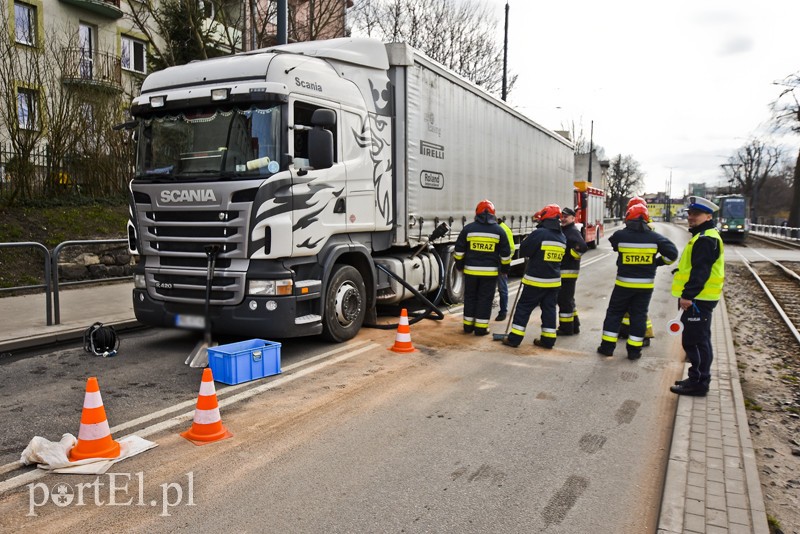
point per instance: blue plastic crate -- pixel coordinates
(244, 361)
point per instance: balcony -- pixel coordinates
(100, 70)
(105, 8)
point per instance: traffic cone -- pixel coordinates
(402, 341)
(94, 436)
(207, 423)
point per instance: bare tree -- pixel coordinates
(178, 31)
(786, 114)
(754, 163)
(461, 35)
(624, 179)
(21, 86)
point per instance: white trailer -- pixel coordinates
(310, 172)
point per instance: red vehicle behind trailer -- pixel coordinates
(590, 209)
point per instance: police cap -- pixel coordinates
(702, 204)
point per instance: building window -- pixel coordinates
(27, 110)
(25, 24)
(134, 55)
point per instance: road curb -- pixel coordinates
(61, 336)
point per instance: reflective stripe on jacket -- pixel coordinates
(483, 247)
(640, 252)
(546, 247)
(689, 265)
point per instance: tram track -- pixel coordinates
(781, 285)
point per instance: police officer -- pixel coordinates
(502, 278)
(482, 252)
(568, 322)
(640, 252)
(626, 319)
(545, 246)
(698, 287)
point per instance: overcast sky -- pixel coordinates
(677, 84)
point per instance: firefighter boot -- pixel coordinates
(545, 342)
(512, 340)
(566, 329)
(481, 331)
(606, 348)
(634, 353)
(576, 324)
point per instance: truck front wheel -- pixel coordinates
(345, 304)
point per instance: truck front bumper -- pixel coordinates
(250, 318)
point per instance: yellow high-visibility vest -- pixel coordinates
(712, 290)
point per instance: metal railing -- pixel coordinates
(786, 233)
(57, 252)
(46, 285)
(51, 283)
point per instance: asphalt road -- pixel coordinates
(465, 435)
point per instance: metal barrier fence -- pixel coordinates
(781, 232)
(46, 285)
(51, 284)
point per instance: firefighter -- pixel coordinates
(481, 252)
(640, 252)
(698, 287)
(626, 319)
(502, 278)
(568, 322)
(545, 246)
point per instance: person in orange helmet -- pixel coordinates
(640, 252)
(545, 246)
(482, 252)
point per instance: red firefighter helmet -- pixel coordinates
(551, 211)
(636, 200)
(637, 211)
(484, 205)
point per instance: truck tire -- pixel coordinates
(345, 304)
(454, 282)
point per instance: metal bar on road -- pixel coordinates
(46, 285)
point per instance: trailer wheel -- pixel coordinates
(454, 282)
(345, 304)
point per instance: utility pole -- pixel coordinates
(591, 149)
(283, 22)
(505, 59)
(668, 214)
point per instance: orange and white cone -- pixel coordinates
(94, 436)
(402, 340)
(207, 424)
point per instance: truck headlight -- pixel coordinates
(724, 226)
(269, 287)
(139, 281)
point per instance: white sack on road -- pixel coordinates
(52, 455)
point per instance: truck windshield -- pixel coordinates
(206, 143)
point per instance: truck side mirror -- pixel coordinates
(320, 140)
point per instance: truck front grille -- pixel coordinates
(226, 288)
(186, 232)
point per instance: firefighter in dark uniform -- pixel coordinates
(640, 252)
(545, 247)
(482, 253)
(698, 287)
(626, 319)
(568, 322)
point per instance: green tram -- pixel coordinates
(732, 218)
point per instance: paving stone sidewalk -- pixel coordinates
(712, 483)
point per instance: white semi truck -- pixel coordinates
(308, 178)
